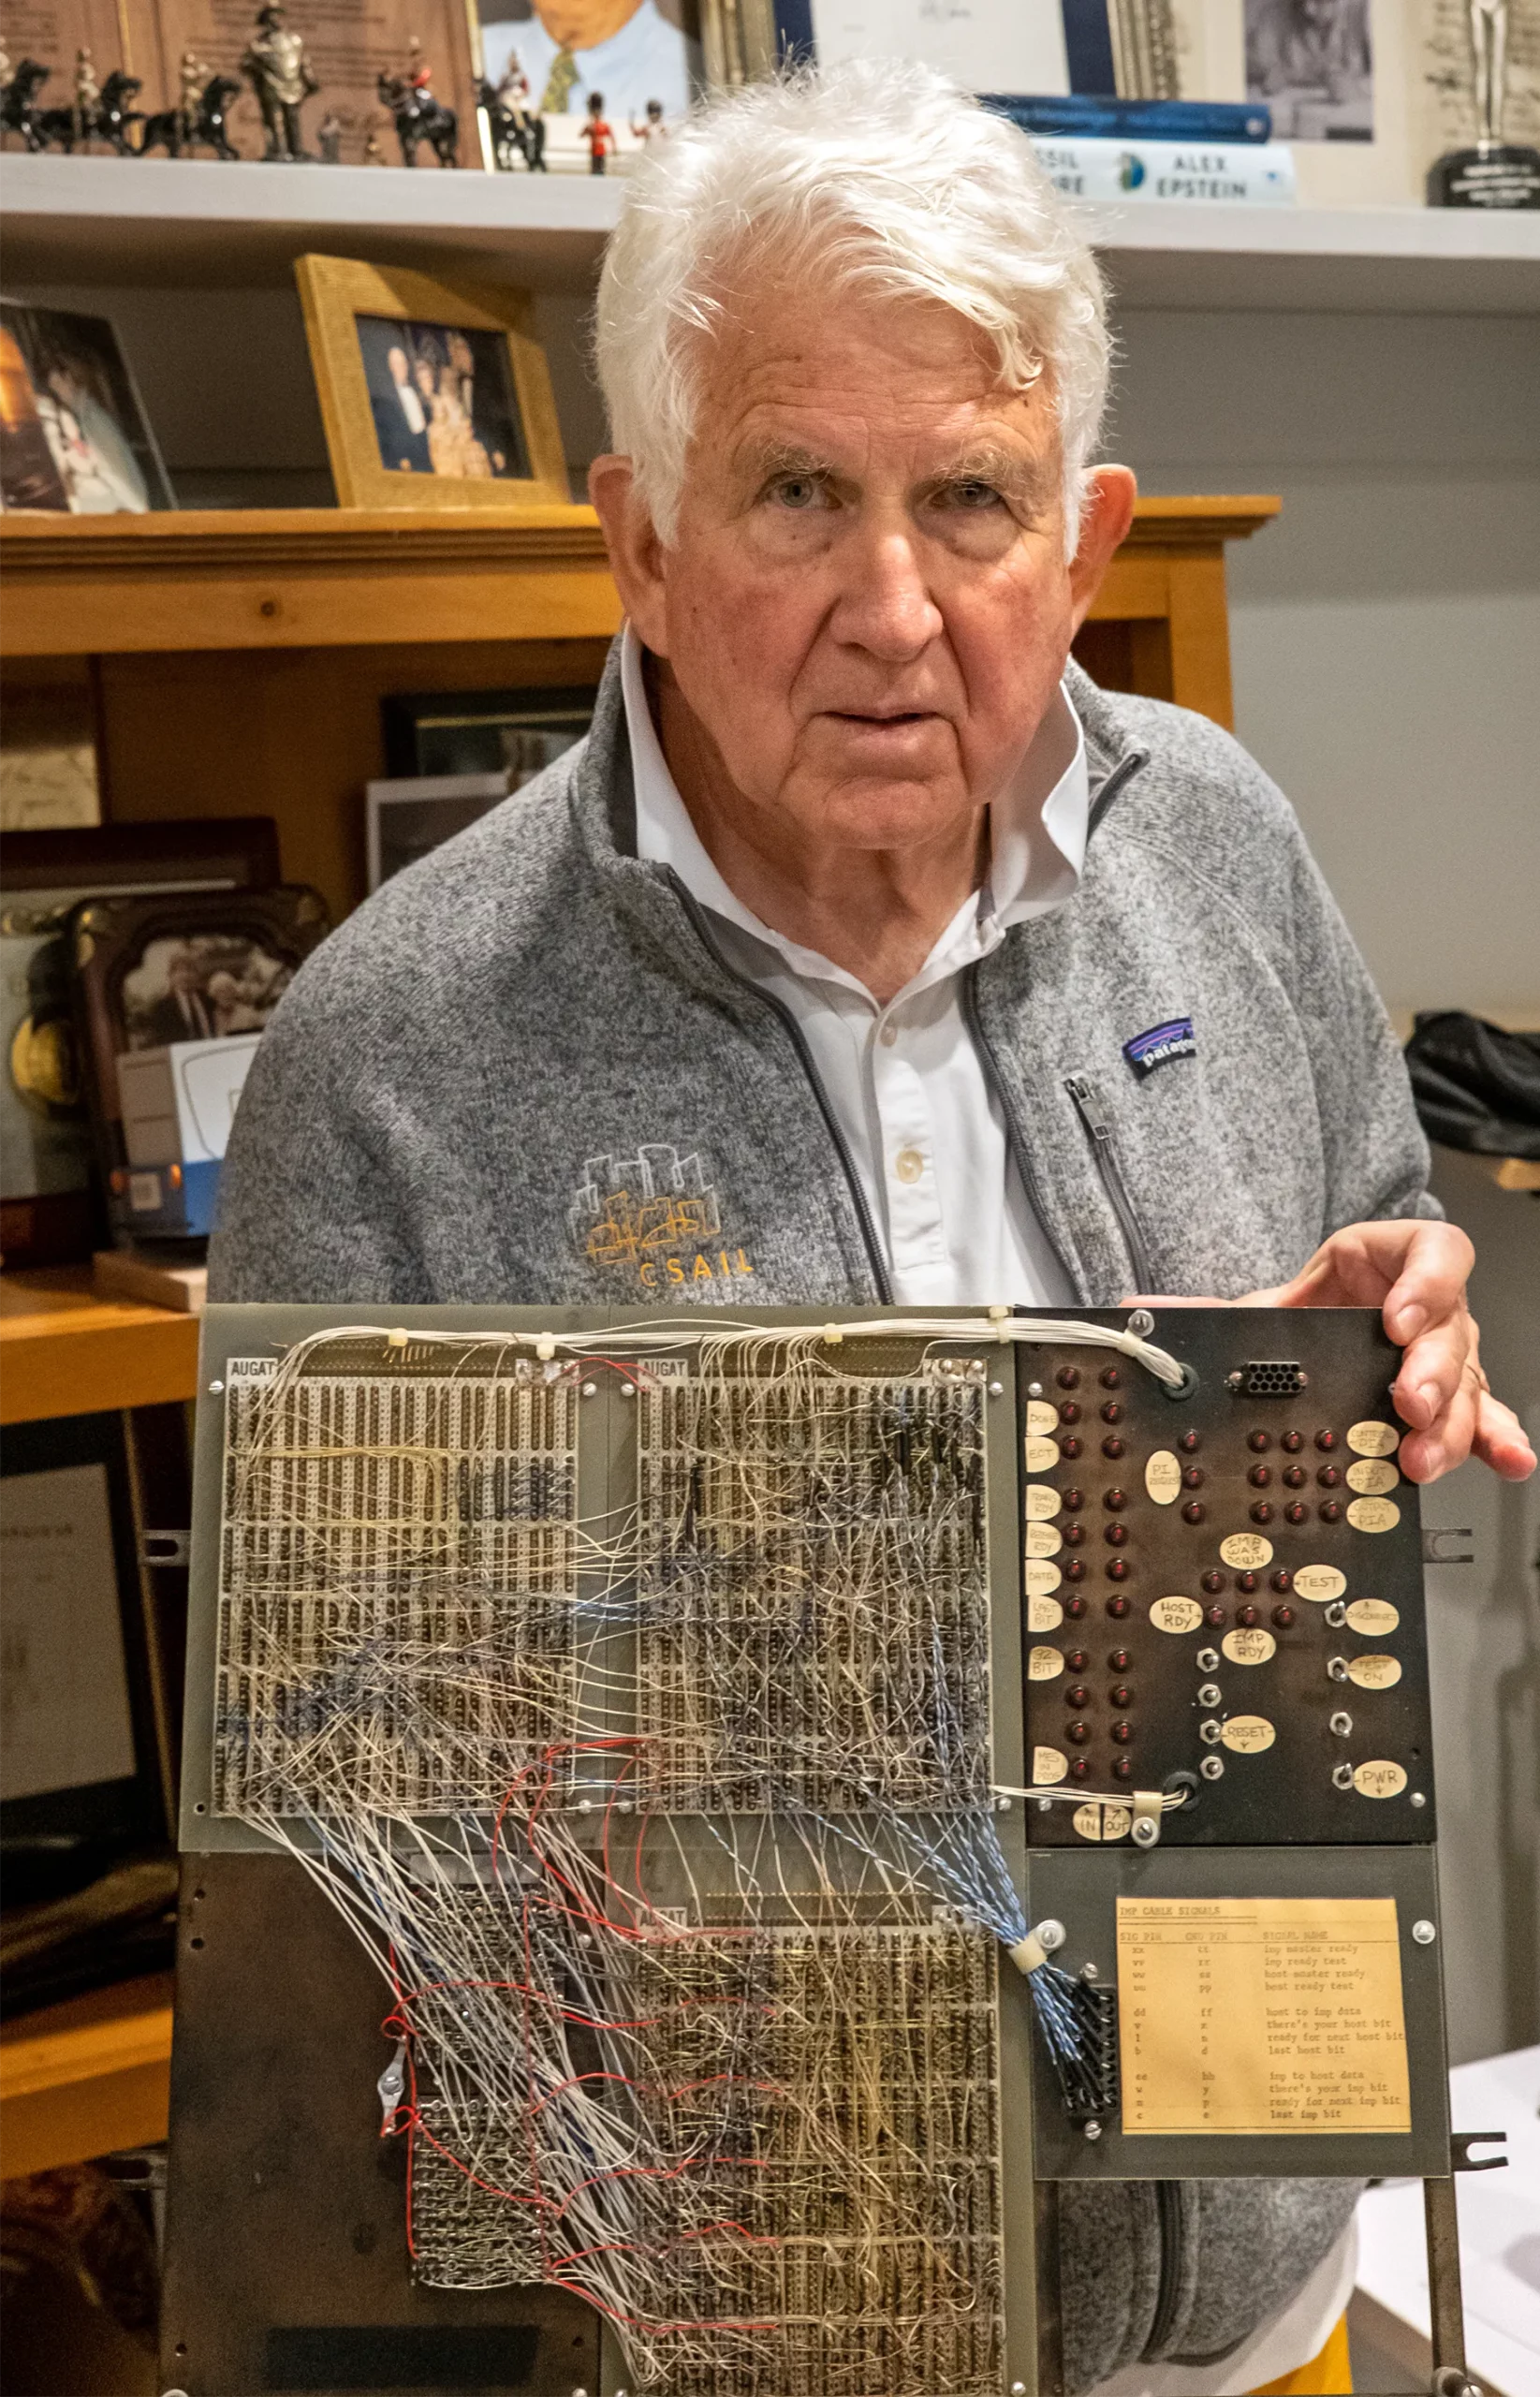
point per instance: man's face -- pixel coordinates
(396, 361)
(866, 608)
(583, 24)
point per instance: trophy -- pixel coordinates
(1496, 173)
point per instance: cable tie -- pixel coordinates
(544, 1346)
(832, 1334)
(397, 1339)
(1029, 1954)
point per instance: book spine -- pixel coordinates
(1074, 117)
(1187, 170)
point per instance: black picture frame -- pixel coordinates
(476, 732)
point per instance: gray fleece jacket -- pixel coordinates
(524, 1074)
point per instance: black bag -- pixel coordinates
(1475, 1086)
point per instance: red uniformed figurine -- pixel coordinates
(599, 137)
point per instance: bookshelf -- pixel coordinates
(85, 2077)
(66, 1350)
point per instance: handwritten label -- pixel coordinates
(1163, 1476)
(1042, 1501)
(1371, 1477)
(1373, 1439)
(1247, 1735)
(1249, 1647)
(1373, 1673)
(1044, 1665)
(1044, 1614)
(1374, 1515)
(1176, 1614)
(1379, 1779)
(1048, 1765)
(1041, 1455)
(1041, 1578)
(1376, 1618)
(1043, 1540)
(1102, 1822)
(1041, 1417)
(1320, 1583)
(1248, 1552)
(1279, 2015)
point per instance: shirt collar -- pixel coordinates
(1037, 834)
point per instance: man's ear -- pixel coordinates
(1106, 515)
(635, 553)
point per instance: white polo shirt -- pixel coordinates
(908, 1089)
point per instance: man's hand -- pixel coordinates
(1415, 1273)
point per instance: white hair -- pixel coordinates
(877, 175)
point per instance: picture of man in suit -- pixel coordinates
(401, 420)
(184, 1012)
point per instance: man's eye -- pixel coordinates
(797, 491)
(970, 494)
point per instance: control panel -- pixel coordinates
(1222, 1589)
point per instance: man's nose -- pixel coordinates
(884, 605)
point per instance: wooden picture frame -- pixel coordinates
(358, 389)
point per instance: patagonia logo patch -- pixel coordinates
(1161, 1044)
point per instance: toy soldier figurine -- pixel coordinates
(599, 136)
(373, 154)
(193, 77)
(280, 74)
(418, 73)
(88, 96)
(329, 136)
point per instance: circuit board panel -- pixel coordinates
(1223, 1591)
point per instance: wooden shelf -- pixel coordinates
(1513, 1174)
(196, 222)
(86, 2078)
(64, 1350)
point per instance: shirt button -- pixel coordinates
(888, 1034)
(909, 1164)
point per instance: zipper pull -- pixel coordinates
(1082, 1090)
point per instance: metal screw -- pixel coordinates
(591, 1389)
(1424, 1933)
(1035, 1390)
(1089, 1973)
(629, 1389)
(997, 1389)
(1341, 1724)
(1018, 2388)
(1050, 1934)
(1417, 1799)
(1001, 1805)
(1145, 1832)
(1141, 1323)
(214, 1388)
(176, 2392)
(1212, 1768)
(1094, 2130)
(1044, 1805)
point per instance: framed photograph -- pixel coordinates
(179, 970)
(48, 1214)
(74, 438)
(512, 733)
(403, 820)
(434, 394)
(1312, 63)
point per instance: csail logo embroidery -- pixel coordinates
(654, 1216)
(1160, 1045)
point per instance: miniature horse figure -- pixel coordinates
(19, 110)
(172, 132)
(514, 132)
(418, 117)
(109, 120)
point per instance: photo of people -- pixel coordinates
(443, 400)
(86, 411)
(200, 987)
(1312, 63)
(632, 51)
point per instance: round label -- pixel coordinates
(1248, 1552)
(1320, 1583)
(1249, 1647)
(1374, 1440)
(1044, 1614)
(1247, 1735)
(1041, 1417)
(1041, 1580)
(1379, 1779)
(1374, 1515)
(1163, 1476)
(1043, 1540)
(1372, 1477)
(1376, 1618)
(1102, 1822)
(1042, 1501)
(1042, 1455)
(1048, 1765)
(1044, 1665)
(1176, 1614)
(1374, 1672)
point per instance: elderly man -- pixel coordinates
(866, 949)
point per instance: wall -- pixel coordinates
(1386, 643)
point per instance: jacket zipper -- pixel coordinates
(875, 1257)
(1014, 1141)
(1113, 785)
(1093, 1116)
(1168, 2287)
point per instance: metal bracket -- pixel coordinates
(1462, 2142)
(1433, 1551)
(173, 1549)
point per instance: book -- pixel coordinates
(1081, 115)
(1260, 174)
